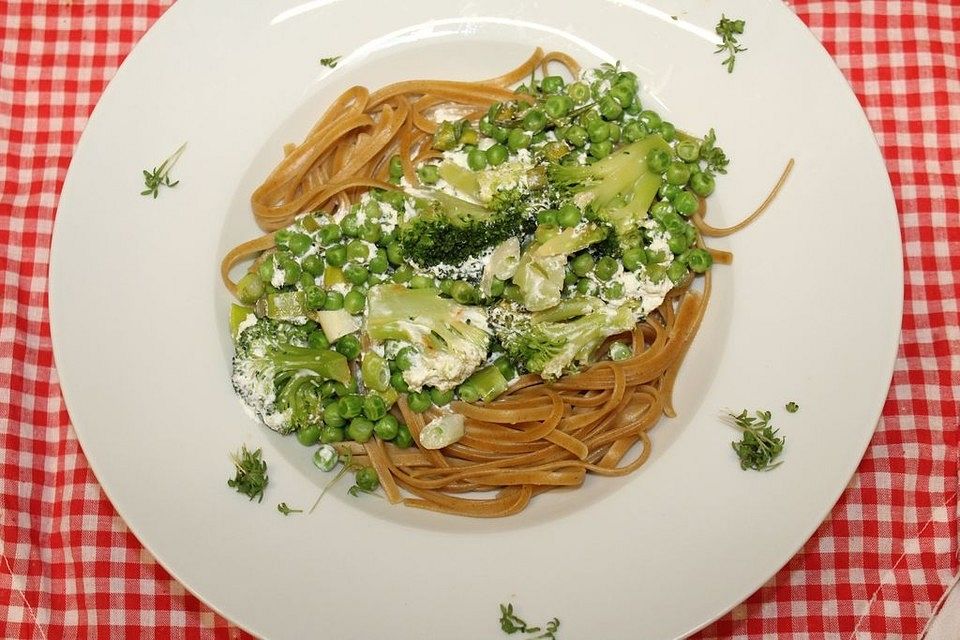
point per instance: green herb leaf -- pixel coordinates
(160, 176)
(728, 30)
(251, 473)
(792, 407)
(760, 445)
(330, 62)
(715, 158)
(285, 510)
(511, 623)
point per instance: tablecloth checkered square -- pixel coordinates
(876, 567)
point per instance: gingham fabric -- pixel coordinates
(875, 568)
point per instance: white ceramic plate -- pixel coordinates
(809, 312)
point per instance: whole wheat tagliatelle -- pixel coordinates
(538, 435)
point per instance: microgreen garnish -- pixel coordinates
(511, 623)
(792, 407)
(285, 510)
(251, 473)
(759, 446)
(714, 156)
(330, 62)
(160, 176)
(728, 30)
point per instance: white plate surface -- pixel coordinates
(809, 311)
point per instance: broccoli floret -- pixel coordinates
(451, 339)
(616, 191)
(277, 374)
(560, 340)
(449, 230)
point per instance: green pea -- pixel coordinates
(623, 94)
(387, 427)
(446, 286)
(658, 160)
(601, 149)
(336, 256)
(667, 131)
(512, 292)
(699, 260)
(634, 258)
(396, 167)
(576, 135)
(650, 119)
(586, 286)
(331, 434)
(379, 263)
(477, 160)
(518, 140)
(403, 273)
(552, 84)
(374, 407)
(329, 233)
(291, 271)
(360, 429)
(688, 150)
(610, 109)
(355, 273)
(496, 155)
(404, 358)
(305, 280)
(419, 401)
(568, 216)
(421, 282)
(441, 398)
(557, 107)
(281, 238)
(350, 406)
(313, 264)
(403, 439)
(299, 243)
(669, 191)
(598, 131)
(548, 217)
(614, 291)
(332, 417)
(606, 268)
(463, 292)
(354, 302)
(367, 478)
(348, 346)
(620, 351)
(660, 209)
(334, 301)
(318, 340)
(428, 174)
(579, 92)
(633, 131)
(340, 389)
(395, 253)
(314, 297)
(534, 120)
(398, 383)
(569, 278)
(686, 203)
(615, 132)
(250, 288)
(678, 173)
(350, 225)
(309, 436)
(582, 264)
(468, 392)
(265, 270)
(702, 184)
(357, 250)
(371, 232)
(676, 271)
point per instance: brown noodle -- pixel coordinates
(538, 436)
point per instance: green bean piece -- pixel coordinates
(250, 288)
(507, 370)
(348, 346)
(387, 427)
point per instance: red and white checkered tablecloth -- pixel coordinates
(876, 567)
